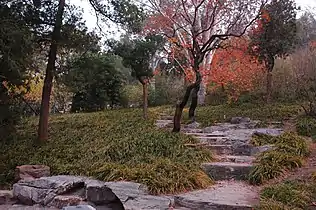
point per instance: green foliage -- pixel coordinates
(306, 126)
(16, 50)
(138, 54)
(288, 153)
(288, 195)
(111, 145)
(208, 115)
(94, 82)
(277, 32)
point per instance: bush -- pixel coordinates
(288, 195)
(288, 153)
(94, 82)
(112, 145)
(306, 126)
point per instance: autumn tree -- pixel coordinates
(274, 35)
(198, 27)
(234, 69)
(138, 55)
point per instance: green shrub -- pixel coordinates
(288, 153)
(111, 145)
(306, 126)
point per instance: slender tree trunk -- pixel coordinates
(145, 100)
(49, 76)
(180, 105)
(194, 103)
(269, 86)
(195, 95)
(202, 94)
(179, 109)
(269, 78)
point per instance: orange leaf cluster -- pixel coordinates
(235, 69)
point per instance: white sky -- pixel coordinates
(91, 20)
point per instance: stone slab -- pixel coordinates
(227, 170)
(221, 149)
(226, 195)
(235, 158)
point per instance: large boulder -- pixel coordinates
(61, 191)
(31, 172)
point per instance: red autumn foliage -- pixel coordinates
(235, 69)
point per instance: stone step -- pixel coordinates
(206, 134)
(215, 140)
(225, 195)
(164, 121)
(220, 149)
(227, 170)
(235, 158)
(190, 131)
(166, 117)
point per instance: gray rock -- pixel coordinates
(61, 191)
(238, 120)
(193, 125)
(227, 170)
(135, 196)
(61, 201)
(79, 207)
(240, 148)
(31, 172)
(98, 193)
(6, 197)
(268, 131)
(260, 149)
(227, 195)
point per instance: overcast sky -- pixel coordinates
(91, 19)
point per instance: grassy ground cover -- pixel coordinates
(111, 145)
(289, 152)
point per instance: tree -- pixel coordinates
(138, 54)
(199, 27)
(94, 82)
(274, 35)
(234, 69)
(51, 22)
(306, 29)
(16, 60)
(49, 75)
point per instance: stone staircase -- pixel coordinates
(234, 158)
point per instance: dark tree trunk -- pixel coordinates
(179, 109)
(194, 103)
(270, 66)
(269, 86)
(145, 100)
(49, 76)
(180, 105)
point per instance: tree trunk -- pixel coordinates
(202, 94)
(270, 66)
(179, 109)
(145, 100)
(49, 76)
(269, 86)
(180, 105)
(194, 103)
